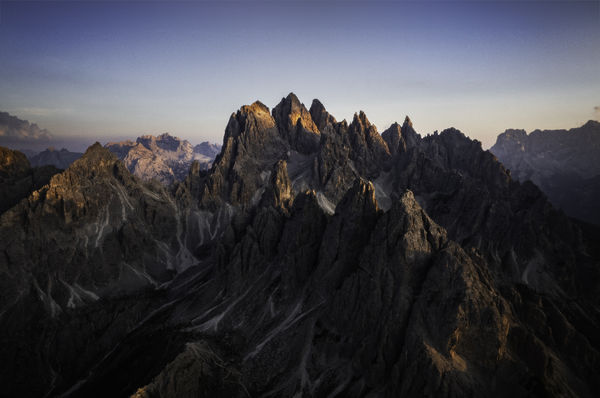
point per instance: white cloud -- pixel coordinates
(15, 129)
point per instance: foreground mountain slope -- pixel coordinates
(164, 157)
(563, 163)
(94, 232)
(326, 260)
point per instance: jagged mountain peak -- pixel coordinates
(512, 134)
(454, 133)
(96, 162)
(360, 120)
(511, 140)
(370, 152)
(409, 132)
(395, 127)
(291, 100)
(400, 137)
(296, 125)
(291, 107)
(165, 136)
(248, 119)
(255, 107)
(393, 138)
(592, 124)
(97, 151)
(453, 139)
(320, 116)
(316, 107)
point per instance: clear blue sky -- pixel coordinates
(114, 69)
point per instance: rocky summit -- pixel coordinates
(164, 158)
(314, 258)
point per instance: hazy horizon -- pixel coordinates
(109, 71)
(82, 142)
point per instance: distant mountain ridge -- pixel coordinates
(208, 149)
(165, 158)
(565, 164)
(57, 158)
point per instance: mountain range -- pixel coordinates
(314, 258)
(564, 164)
(164, 157)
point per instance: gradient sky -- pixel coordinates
(113, 70)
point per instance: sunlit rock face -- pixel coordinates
(314, 258)
(564, 164)
(164, 158)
